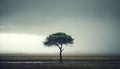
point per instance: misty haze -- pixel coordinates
(93, 24)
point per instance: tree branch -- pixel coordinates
(58, 46)
(62, 49)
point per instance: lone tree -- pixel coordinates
(58, 39)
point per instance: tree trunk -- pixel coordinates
(61, 61)
(61, 49)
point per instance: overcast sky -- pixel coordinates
(94, 24)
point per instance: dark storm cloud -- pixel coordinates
(101, 9)
(91, 22)
(29, 15)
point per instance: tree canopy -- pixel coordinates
(58, 39)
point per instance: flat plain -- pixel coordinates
(69, 62)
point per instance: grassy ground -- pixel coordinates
(59, 66)
(55, 58)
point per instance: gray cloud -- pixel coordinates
(93, 23)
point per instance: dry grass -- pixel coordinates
(55, 58)
(59, 66)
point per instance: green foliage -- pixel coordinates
(58, 39)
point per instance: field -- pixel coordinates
(93, 62)
(59, 66)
